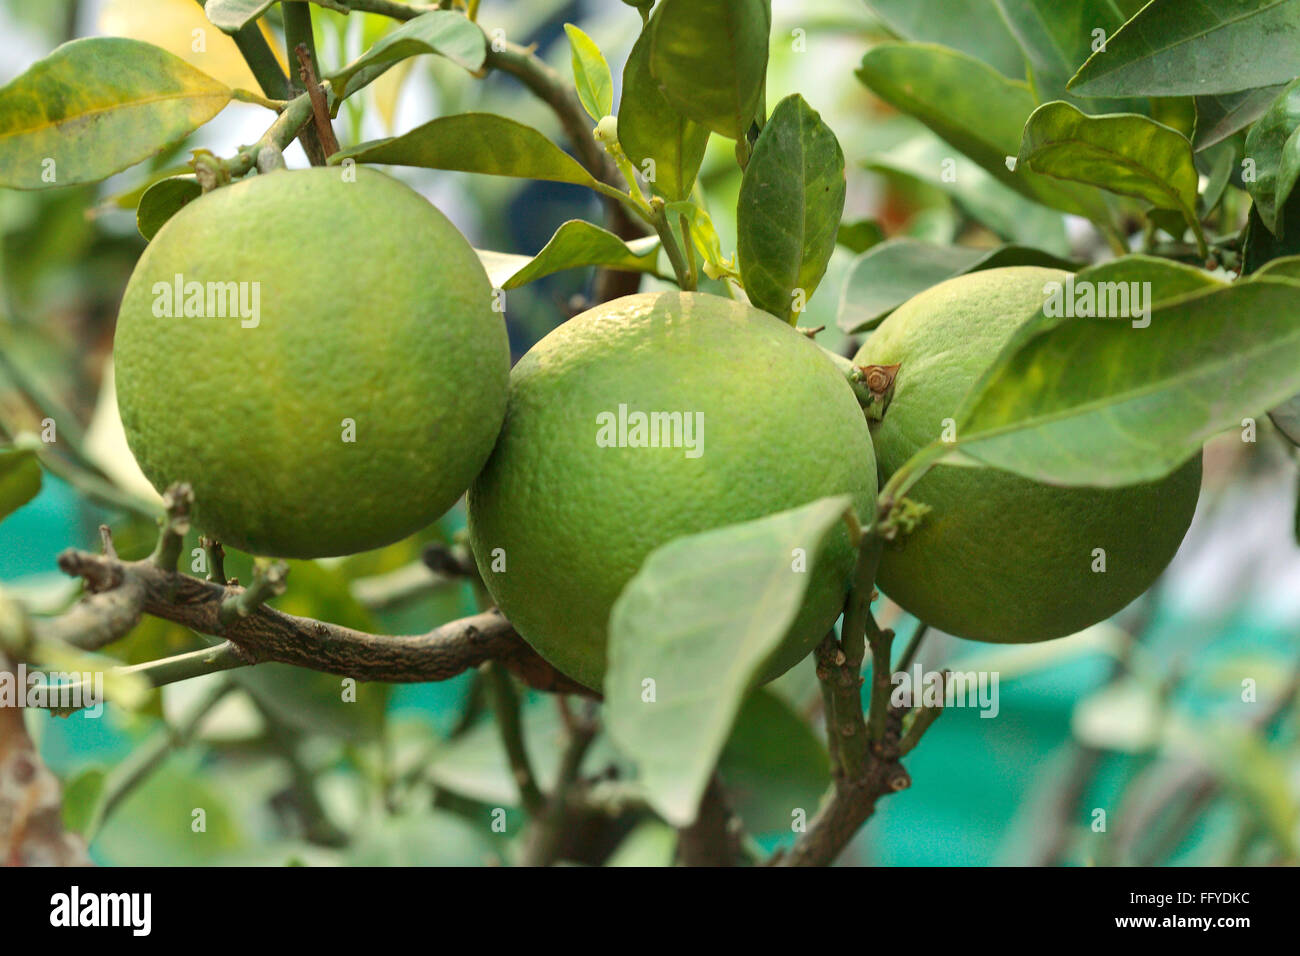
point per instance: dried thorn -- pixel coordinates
(106, 541)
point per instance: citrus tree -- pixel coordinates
(678, 495)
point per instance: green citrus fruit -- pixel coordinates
(574, 518)
(1002, 558)
(332, 374)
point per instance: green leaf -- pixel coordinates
(231, 16)
(1176, 48)
(576, 243)
(650, 843)
(766, 782)
(974, 27)
(1015, 218)
(650, 128)
(704, 235)
(1261, 246)
(590, 74)
(81, 798)
(1098, 401)
(860, 235)
(710, 59)
(975, 109)
(1273, 144)
(1287, 419)
(93, 107)
(424, 838)
(475, 143)
(791, 200)
(1124, 153)
(700, 618)
(1059, 37)
(1218, 117)
(887, 275)
(163, 200)
(1284, 268)
(474, 764)
(442, 32)
(20, 479)
(158, 820)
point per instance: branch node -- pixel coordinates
(216, 559)
(179, 500)
(268, 581)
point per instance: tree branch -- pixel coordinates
(551, 828)
(31, 826)
(121, 591)
(713, 839)
(865, 751)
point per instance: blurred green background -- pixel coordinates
(1142, 717)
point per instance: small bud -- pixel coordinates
(606, 130)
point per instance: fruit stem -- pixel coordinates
(674, 252)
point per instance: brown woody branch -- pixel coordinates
(120, 591)
(862, 771)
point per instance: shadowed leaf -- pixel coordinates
(791, 200)
(1177, 48)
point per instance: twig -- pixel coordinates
(865, 751)
(298, 33)
(505, 705)
(179, 500)
(216, 559)
(268, 582)
(122, 590)
(546, 839)
(922, 720)
(319, 106)
(913, 646)
(1196, 787)
(714, 838)
(206, 660)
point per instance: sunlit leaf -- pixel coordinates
(700, 619)
(575, 244)
(590, 74)
(96, 106)
(442, 32)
